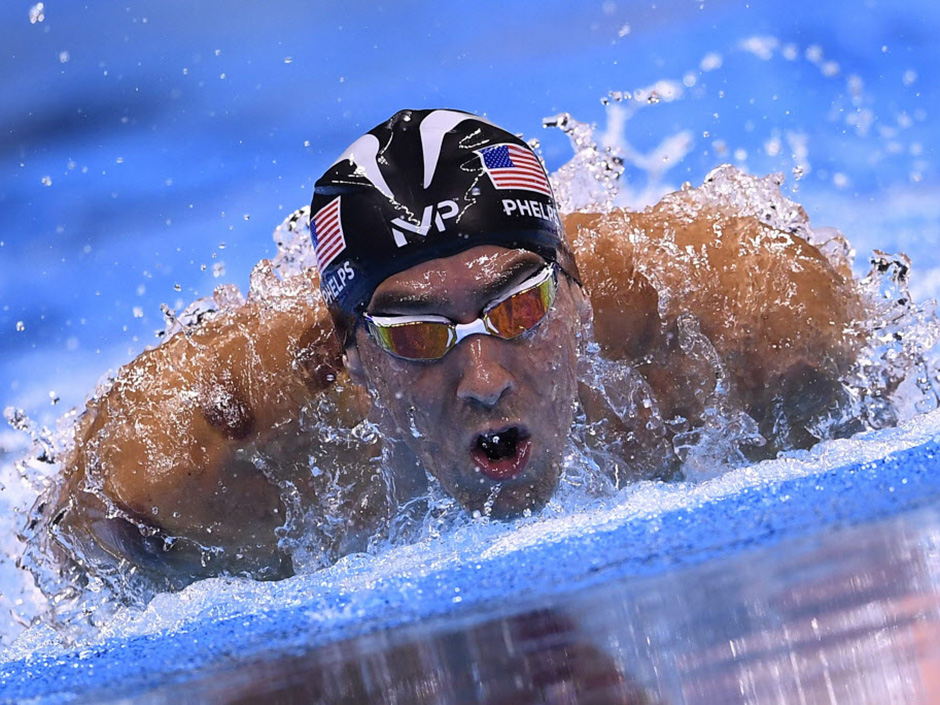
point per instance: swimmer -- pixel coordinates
(452, 306)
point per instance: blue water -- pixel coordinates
(148, 150)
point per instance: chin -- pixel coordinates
(515, 498)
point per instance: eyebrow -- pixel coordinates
(402, 302)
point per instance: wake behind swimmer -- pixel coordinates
(667, 340)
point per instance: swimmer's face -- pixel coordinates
(490, 418)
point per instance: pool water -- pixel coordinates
(849, 616)
(148, 153)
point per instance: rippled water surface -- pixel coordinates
(851, 616)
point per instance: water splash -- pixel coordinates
(710, 448)
(588, 182)
(898, 372)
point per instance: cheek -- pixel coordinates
(554, 354)
(411, 394)
(553, 372)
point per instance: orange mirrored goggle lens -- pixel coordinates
(417, 340)
(432, 339)
(522, 311)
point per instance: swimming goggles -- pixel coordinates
(430, 337)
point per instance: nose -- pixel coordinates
(483, 379)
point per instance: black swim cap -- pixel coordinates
(423, 185)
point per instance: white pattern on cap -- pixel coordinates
(363, 154)
(433, 128)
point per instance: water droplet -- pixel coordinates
(710, 62)
(412, 412)
(830, 69)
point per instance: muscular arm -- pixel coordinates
(687, 294)
(174, 443)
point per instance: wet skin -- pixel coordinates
(484, 385)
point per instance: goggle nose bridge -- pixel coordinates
(465, 330)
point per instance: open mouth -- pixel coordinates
(502, 454)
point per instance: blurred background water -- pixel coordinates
(147, 150)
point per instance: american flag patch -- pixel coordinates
(328, 239)
(511, 166)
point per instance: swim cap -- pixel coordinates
(423, 185)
